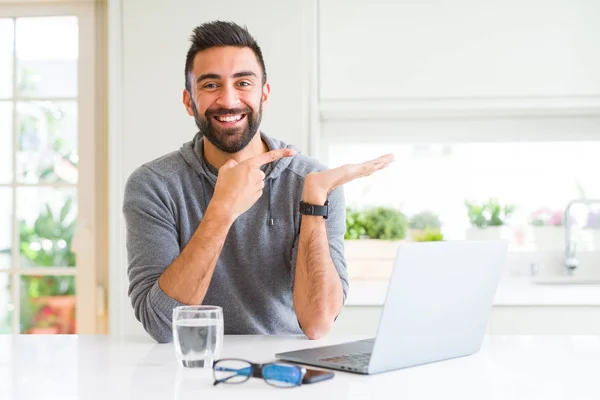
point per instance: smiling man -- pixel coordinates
(236, 218)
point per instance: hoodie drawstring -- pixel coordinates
(270, 221)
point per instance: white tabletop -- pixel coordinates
(102, 367)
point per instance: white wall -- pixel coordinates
(147, 47)
(155, 42)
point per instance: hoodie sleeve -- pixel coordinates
(152, 245)
(336, 229)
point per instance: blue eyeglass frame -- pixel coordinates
(255, 370)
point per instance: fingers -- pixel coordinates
(367, 168)
(387, 158)
(270, 156)
(378, 163)
(257, 179)
(258, 174)
(229, 164)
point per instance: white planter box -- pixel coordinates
(549, 237)
(371, 248)
(370, 258)
(489, 233)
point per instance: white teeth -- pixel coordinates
(232, 118)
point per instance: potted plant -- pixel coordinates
(428, 235)
(371, 241)
(487, 219)
(422, 224)
(45, 322)
(48, 302)
(548, 232)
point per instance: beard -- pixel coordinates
(228, 140)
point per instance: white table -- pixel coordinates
(102, 367)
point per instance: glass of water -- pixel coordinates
(197, 335)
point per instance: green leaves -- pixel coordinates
(428, 235)
(355, 224)
(48, 242)
(424, 220)
(490, 213)
(376, 223)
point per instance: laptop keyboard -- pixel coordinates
(354, 360)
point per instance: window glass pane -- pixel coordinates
(6, 141)
(47, 304)
(6, 57)
(47, 142)
(6, 304)
(6, 215)
(538, 179)
(47, 220)
(47, 52)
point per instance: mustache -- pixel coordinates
(227, 111)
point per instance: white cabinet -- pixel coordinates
(504, 320)
(389, 50)
(545, 320)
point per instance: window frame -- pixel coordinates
(86, 238)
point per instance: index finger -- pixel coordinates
(269, 156)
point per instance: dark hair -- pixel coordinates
(216, 34)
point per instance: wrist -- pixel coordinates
(314, 198)
(313, 194)
(219, 213)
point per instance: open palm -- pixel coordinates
(325, 181)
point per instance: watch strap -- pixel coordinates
(315, 210)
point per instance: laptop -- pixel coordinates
(437, 307)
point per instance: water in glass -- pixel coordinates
(197, 336)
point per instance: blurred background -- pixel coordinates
(491, 108)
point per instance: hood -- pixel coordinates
(193, 153)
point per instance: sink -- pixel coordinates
(565, 280)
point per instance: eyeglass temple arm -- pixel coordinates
(241, 371)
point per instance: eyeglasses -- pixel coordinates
(233, 370)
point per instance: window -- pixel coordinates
(536, 179)
(42, 182)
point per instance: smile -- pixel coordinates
(229, 119)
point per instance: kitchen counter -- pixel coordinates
(511, 292)
(103, 367)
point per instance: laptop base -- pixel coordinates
(348, 357)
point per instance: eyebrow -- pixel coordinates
(240, 74)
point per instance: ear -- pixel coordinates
(265, 95)
(187, 102)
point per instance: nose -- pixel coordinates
(228, 97)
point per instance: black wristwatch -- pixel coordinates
(311, 209)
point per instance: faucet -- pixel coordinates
(570, 261)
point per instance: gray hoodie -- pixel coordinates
(253, 280)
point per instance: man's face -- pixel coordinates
(227, 96)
